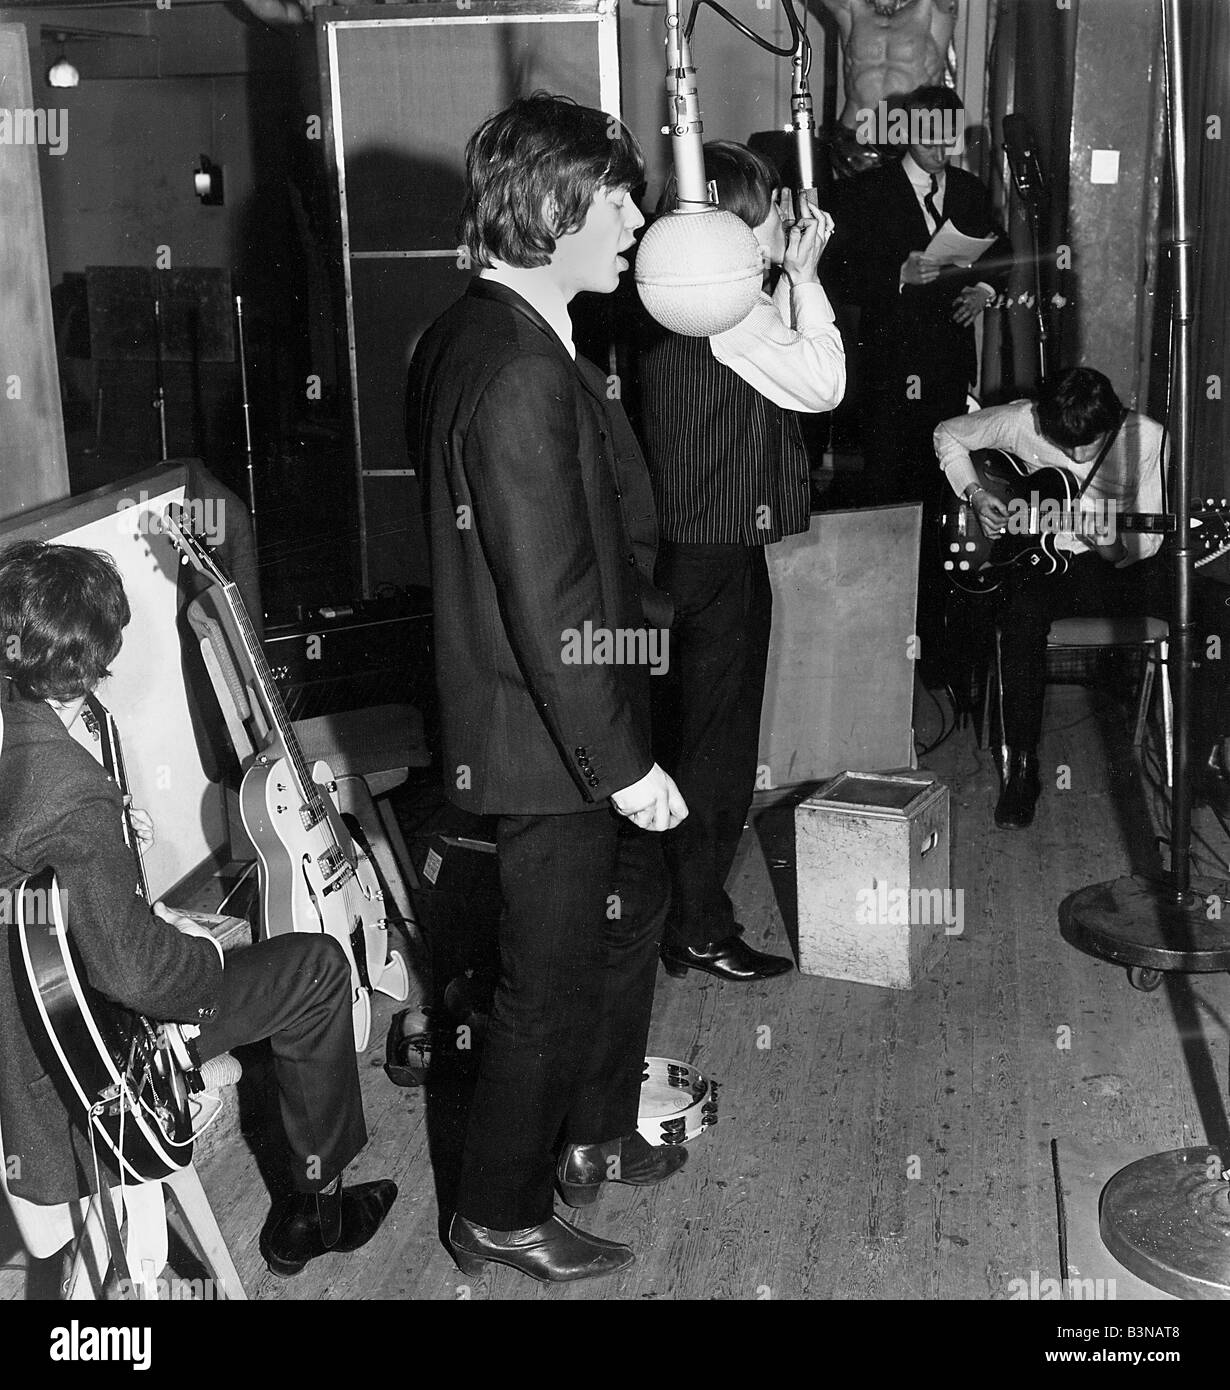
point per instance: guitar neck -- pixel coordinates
(284, 733)
(101, 723)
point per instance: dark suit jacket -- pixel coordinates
(58, 808)
(541, 519)
(878, 222)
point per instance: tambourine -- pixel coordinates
(677, 1102)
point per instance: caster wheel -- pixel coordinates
(1143, 979)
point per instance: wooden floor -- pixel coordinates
(883, 1144)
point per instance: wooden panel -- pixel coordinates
(33, 461)
(841, 675)
(1116, 106)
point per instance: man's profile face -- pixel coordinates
(589, 258)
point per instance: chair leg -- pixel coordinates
(1145, 700)
(995, 706)
(88, 1272)
(1167, 710)
(193, 1205)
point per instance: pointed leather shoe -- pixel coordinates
(583, 1168)
(553, 1253)
(729, 959)
(1015, 808)
(308, 1225)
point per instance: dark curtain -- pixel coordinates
(1032, 75)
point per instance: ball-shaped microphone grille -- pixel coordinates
(699, 273)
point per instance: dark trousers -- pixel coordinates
(295, 990)
(1032, 601)
(584, 902)
(707, 721)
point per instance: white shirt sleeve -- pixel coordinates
(997, 427)
(789, 349)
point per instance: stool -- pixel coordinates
(1150, 636)
(47, 1229)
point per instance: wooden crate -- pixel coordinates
(872, 859)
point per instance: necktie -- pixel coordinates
(929, 203)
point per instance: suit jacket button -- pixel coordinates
(592, 780)
(582, 753)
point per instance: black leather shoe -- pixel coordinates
(553, 1253)
(1015, 808)
(583, 1168)
(310, 1224)
(729, 959)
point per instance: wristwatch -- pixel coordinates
(972, 492)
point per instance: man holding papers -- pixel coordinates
(917, 356)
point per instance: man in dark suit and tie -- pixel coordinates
(917, 356)
(917, 353)
(548, 631)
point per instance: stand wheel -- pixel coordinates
(1139, 977)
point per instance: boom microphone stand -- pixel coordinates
(1167, 1217)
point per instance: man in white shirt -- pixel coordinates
(1077, 416)
(730, 477)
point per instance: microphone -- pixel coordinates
(1022, 156)
(698, 269)
(803, 117)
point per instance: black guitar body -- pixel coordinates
(124, 1081)
(977, 564)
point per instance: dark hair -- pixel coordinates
(927, 99)
(1076, 406)
(745, 182)
(62, 616)
(541, 150)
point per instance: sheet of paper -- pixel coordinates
(951, 247)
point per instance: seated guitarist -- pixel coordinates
(1111, 572)
(62, 615)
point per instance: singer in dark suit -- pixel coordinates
(548, 633)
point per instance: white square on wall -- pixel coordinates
(1104, 166)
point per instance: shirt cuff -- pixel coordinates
(811, 300)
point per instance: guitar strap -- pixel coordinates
(1102, 452)
(111, 1229)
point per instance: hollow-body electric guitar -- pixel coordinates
(313, 877)
(131, 1075)
(1044, 504)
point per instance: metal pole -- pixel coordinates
(1181, 632)
(247, 423)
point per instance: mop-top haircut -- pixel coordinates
(745, 183)
(1076, 406)
(62, 617)
(532, 171)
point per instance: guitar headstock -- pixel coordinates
(1211, 539)
(177, 524)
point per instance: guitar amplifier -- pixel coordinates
(352, 655)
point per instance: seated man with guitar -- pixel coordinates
(62, 615)
(1059, 487)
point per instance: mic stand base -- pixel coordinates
(1140, 923)
(1167, 1219)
